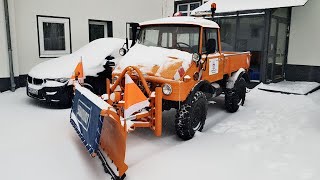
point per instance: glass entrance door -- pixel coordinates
(281, 51)
(278, 44)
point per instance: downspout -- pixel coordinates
(6, 12)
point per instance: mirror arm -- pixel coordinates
(127, 43)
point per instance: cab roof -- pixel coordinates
(183, 20)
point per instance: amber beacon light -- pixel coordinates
(213, 10)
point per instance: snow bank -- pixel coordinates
(93, 56)
(291, 87)
(153, 60)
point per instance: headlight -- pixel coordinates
(62, 80)
(195, 57)
(122, 52)
(167, 89)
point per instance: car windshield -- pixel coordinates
(182, 37)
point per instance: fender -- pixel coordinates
(203, 86)
(235, 76)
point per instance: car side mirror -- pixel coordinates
(109, 58)
(110, 64)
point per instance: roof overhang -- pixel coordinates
(186, 20)
(227, 6)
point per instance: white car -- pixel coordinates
(49, 81)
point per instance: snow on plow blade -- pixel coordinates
(99, 128)
(113, 140)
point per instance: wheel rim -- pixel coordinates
(196, 122)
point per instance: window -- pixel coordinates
(186, 8)
(99, 29)
(166, 40)
(228, 33)
(54, 36)
(210, 41)
(250, 34)
(184, 38)
(250, 37)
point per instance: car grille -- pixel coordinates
(29, 79)
(35, 81)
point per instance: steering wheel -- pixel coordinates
(187, 46)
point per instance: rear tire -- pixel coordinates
(236, 96)
(191, 117)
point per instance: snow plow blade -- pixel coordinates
(100, 130)
(113, 140)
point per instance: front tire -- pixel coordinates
(190, 118)
(236, 96)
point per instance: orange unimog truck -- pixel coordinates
(177, 62)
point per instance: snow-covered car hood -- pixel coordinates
(156, 61)
(93, 58)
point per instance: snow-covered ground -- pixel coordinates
(274, 136)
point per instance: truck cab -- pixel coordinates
(202, 65)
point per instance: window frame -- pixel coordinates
(108, 25)
(67, 32)
(186, 2)
(204, 39)
(199, 28)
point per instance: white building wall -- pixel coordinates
(168, 8)
(304, 44)
(79, 11)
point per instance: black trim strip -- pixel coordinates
(302, 73)
(20, 81)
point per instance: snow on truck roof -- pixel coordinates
(183, 20)
(237, 5)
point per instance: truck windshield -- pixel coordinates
(182, 37)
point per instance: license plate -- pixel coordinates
(33, 91)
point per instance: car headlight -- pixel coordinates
(167, 89)
(62, 80)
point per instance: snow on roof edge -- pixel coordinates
(227, 6)
(183, 20)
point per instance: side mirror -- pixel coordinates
(122, 51)
(135, 29)
(109, 58)
(110, 64)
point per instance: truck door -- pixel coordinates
(214, 64)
